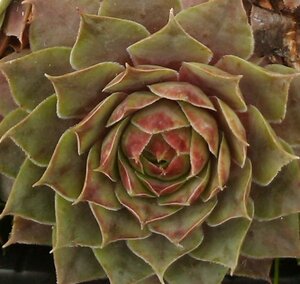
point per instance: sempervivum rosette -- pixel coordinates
(152, 150)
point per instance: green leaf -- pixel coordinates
(159, 253)
(66, 171)
(31, 203)
(113, 228)
(28, 232)
(121, 265)
(109, 36)
(267, 154)
(266, 90)
(80, 91)
(137, 78)
(192, 271)
(56, 22)
(169, 47)
(28, 93)
(38, 140)
(272, 239)
(75, 225)
(76, 265)
(222, 244)
(219, 29)
(214, 82)
(153, 15)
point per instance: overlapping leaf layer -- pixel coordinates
(148, 147)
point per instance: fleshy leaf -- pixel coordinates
(110, 45)
(159, 253)
(254, 268)
(214, 82)
(272, 239)
(188, 192)
(12, 156)
(159, 117)
(182, 91)
(203, 123)
(29, 232)
(257, 84)
(180, 225)
(220, 17)
(169, 47)
(36, 204)
(179, 139)
(131, 104)
(232, 202)
(266, 152)
(76, 265)
(80, 91)
(66, 170)
(234, 131)
(121, 265)
(145, 210)
(199, 153)
(138, 77)
(191, 271)
(109, 150)
(149, 280)
(26, 75)
(113, 228)
(222, 244)
(52, 26)
(38, 140)
(75, 225)
(153, 15)
(98, 188)
(92, 127)
(129, 179)
(289, 128)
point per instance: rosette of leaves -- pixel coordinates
(148, 147)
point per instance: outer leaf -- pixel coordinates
(76, 264)
(112, 226)
(281, 197)
(169, 47)
(266, 152)
(28, 202)
(159, 253)
(98, 188)
(153, 15)
(191, 271)
(121, 265)
(136, 78)
(12, 156)
(214, 82)
(232, 203)
(29, 232)
(52, 26)
(92, 127)
(180, 225)
(75, 225)
(257, 84)
(26, 75)
(288, 129)
(78, 92)
(254, 268)
(110, 45)
(220, 17)
(66, 170)
(38, 140)
(276, 238)
(222, 244)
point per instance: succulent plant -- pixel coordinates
(149, 147)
